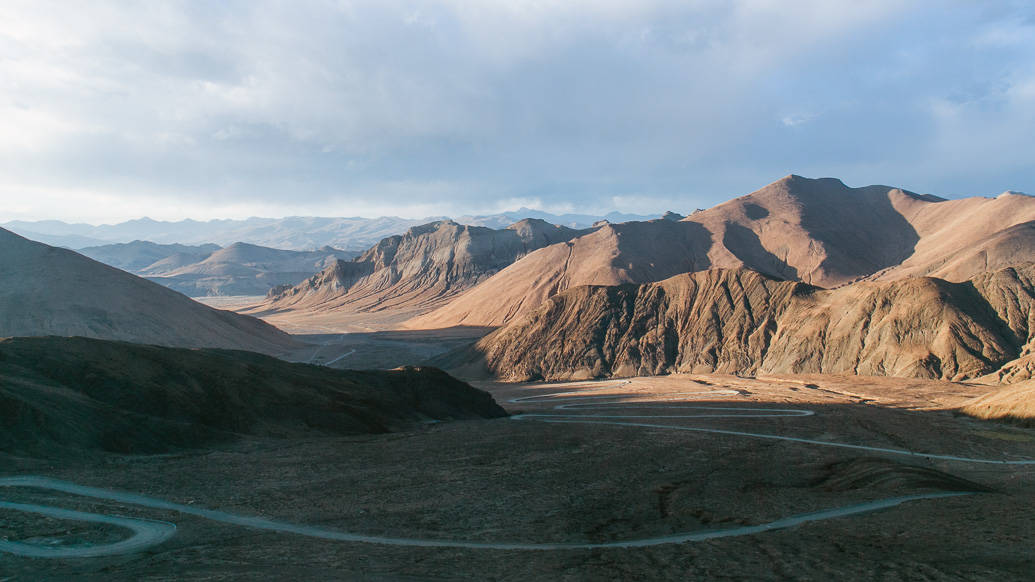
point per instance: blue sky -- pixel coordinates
(197, 109)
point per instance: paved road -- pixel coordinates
(576, 406)
(146, 533)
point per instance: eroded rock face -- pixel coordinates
(818, 231)
(424, 267)
(740, 321)
(717, 320)
(925, 327)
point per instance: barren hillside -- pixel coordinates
(817, 231)
(739, 321)
(423, 268)
(50, 291)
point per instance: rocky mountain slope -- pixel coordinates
(50, 291)
(68, 395)
(740, 321)
(420, 269)
(816, 231)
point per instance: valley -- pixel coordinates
(588, 496)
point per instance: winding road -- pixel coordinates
(578, 406)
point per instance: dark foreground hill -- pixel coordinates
(737, 321)
(61, 395)
(50, 291)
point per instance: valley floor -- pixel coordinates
(558, 478)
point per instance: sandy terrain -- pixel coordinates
(536, 482)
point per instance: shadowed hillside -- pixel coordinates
(68, 394)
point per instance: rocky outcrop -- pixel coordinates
(423, 268)
(740, 321)
(924, 327)
(717, 320)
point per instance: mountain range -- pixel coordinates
(207, 270)
(800, 276)
(291, 233)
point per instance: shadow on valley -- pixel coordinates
(383, 350)
(85, 394)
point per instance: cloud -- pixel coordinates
(456, 105)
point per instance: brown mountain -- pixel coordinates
(50, 291)
(68, 395)
(817, 231)
(610, 255)
(421, 269)
(740, 321)
(962, 238)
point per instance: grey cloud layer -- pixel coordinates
(452, 107)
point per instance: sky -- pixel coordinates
(112, 111)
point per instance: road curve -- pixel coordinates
(316, 532)
(146, 533)
(572, 407)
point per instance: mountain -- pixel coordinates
(737, 321)
(240, 269)
(68, 241)
(292, 233)
(611, 254)
(50, 291)
(139, 254)
(74, 395)
(576, 221)
(818, 231)
(961, 238)
(425, 267)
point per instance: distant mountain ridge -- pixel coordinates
(208, 270)
(243, 269)
(291, 233)
(140, 254)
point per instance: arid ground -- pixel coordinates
(526, 481)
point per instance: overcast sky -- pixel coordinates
(111, 111)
